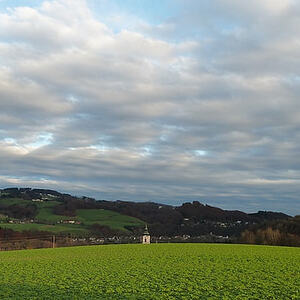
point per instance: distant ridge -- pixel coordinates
(150, 212)
(51, 211)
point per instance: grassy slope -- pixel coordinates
(157, 271)
(106, 217)
(86, 216)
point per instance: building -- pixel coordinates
(146, 239)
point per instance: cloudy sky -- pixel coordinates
(162, 100)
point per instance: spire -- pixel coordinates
(146, 232)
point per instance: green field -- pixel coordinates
(157, 271)
(46, 214)
(107, 217)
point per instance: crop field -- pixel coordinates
(157, 271)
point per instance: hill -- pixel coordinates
(51, 211)
(40, 210)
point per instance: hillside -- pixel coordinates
(51, 211)
(38, 210)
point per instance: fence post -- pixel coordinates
(53, 241)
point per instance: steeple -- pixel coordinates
(146, 236)
(146, 232)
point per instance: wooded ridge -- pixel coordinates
(190, 220)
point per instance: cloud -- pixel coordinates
(203, 106)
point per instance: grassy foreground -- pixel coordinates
(157, 271)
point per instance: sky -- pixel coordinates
(167, 101)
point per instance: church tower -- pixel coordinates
(146, 236)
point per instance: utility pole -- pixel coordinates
(53, 241)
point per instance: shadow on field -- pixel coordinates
(28, 291)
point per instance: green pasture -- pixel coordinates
(107, 217)
(157, 271)
(46, 214)
(91, 216)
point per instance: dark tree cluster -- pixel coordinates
(198, 211)
(280, 232)
(19, 211)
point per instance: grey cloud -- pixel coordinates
(133, 115)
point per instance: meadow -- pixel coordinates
(156, 271)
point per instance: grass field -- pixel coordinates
(107, 217)
(46, 214)
(157, 271)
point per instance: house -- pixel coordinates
(70, 222)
